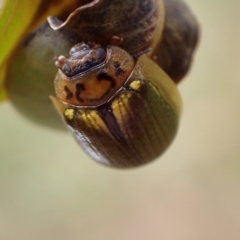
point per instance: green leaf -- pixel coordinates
(3, 94)
(15, 18)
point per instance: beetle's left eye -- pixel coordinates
(66, 68)
(100, 53)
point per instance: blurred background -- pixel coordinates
(50, 189)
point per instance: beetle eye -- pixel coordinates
(66, 68)
(100, 53)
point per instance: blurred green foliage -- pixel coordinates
(17, 18)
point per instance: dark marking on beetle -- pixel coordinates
(118, 70)
(79, 88)
(116, 64)
(104, 76)
(111, 122)
(68, 93)
(137, 55)
(90, 63)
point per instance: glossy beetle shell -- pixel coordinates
(135, 123)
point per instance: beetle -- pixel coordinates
(114, 96)
(123, 110)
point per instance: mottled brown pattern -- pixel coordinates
(179, 40)
(69, 94)
(135, 22)
(79, 88)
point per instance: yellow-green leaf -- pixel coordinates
(3, 94)
(16, 18)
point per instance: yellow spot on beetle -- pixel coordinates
(69, 113)
(92, 120)
(95, 120)
(121, 107)
(84, 116)
(122, 100)
(135, 85)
